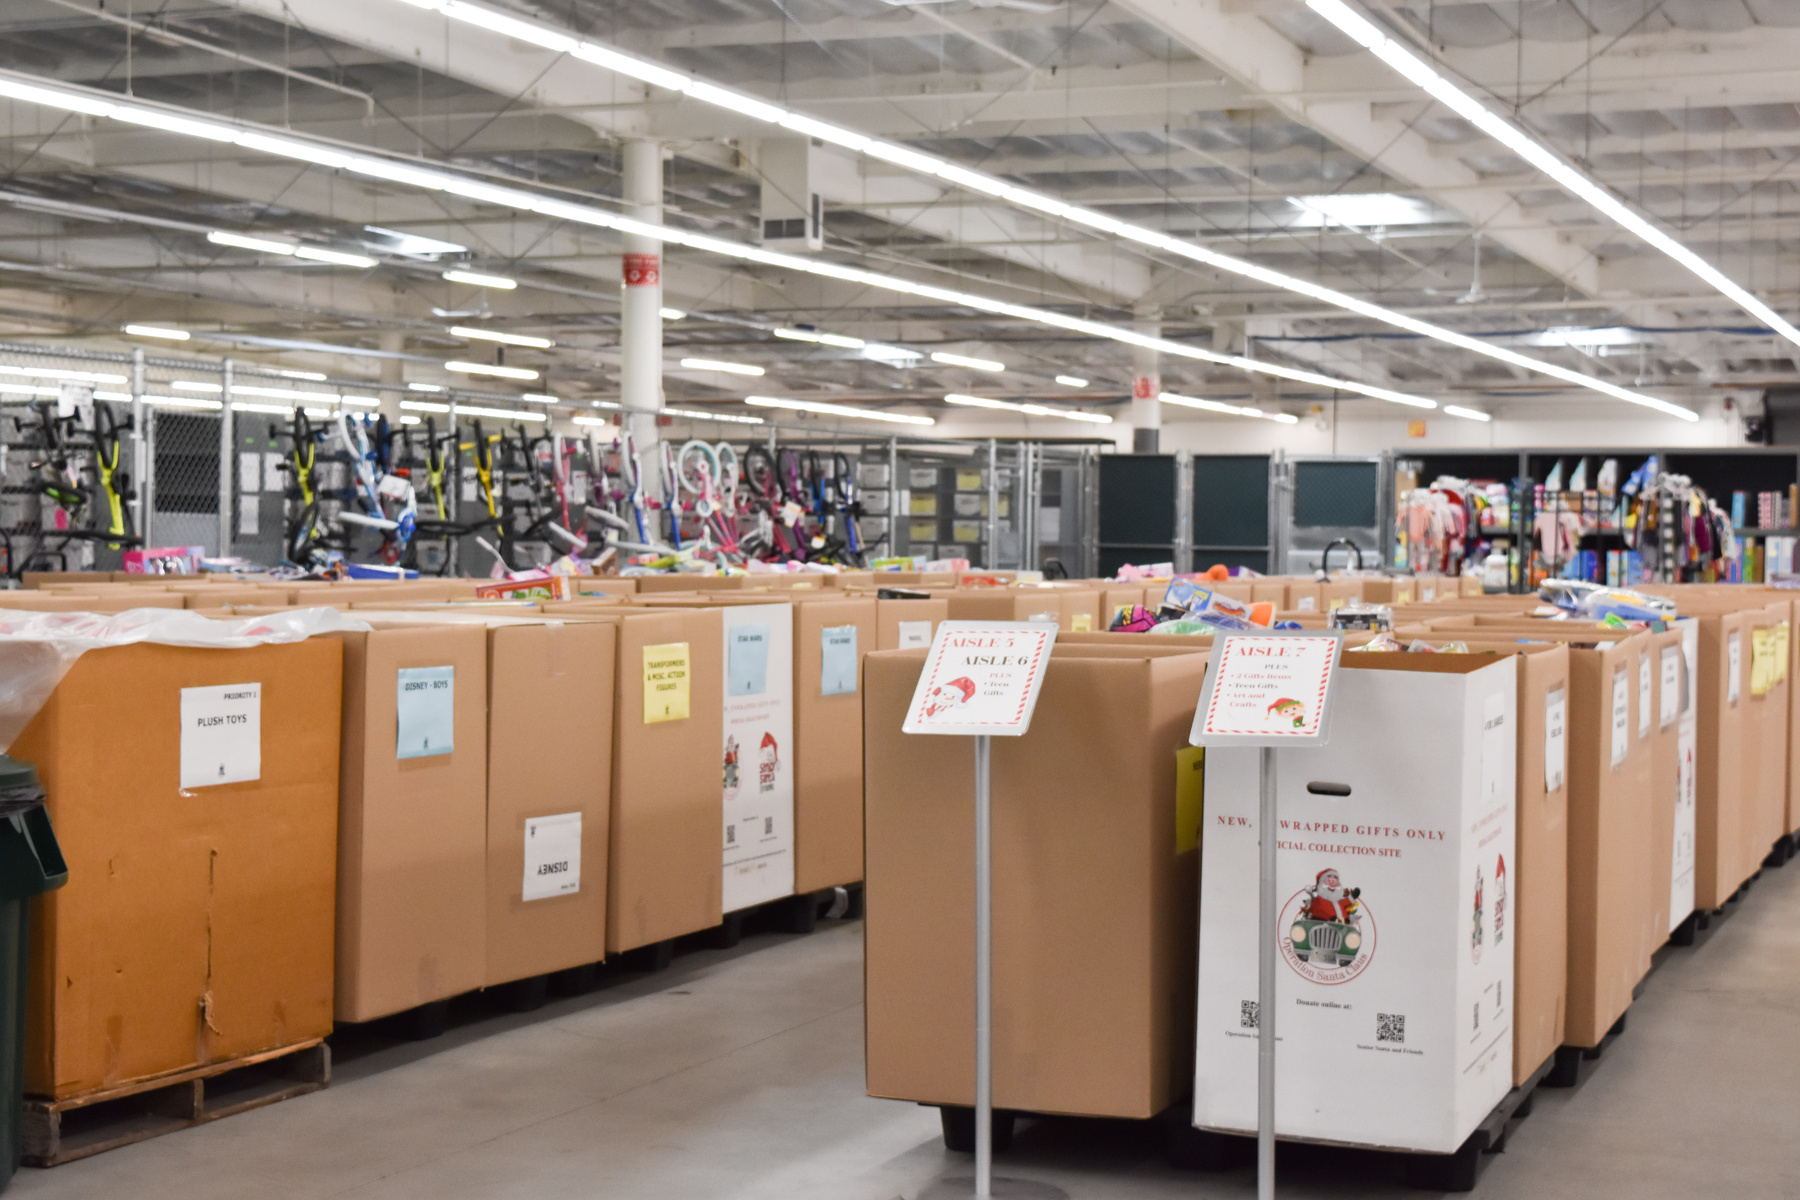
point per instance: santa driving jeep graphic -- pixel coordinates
(1328, 930)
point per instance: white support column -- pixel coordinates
(1146, 386)
(640, 309)
(227, 457)
(140, 449)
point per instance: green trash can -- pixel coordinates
(30, 864)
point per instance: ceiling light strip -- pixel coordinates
(1541, 156)
(1220, 406)
(744, 104)
(375, 166)
(1031, 410)
(837, 410)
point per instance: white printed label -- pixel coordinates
(1556, 711)
(249, 510)
(274, 479)
(425, 712)
(1621, 716)
(249, 471)
(914, 633)
(1496, 749)
(1734, 661)
(1669, 702)
(1307, 604)
(1644, 696)
(552, 856)
(221, 734)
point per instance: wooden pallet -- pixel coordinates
(60, 1131)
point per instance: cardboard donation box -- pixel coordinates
(907, 624)
(412, 835)
(664, 878)
(1395, 983)
(194, 793)
(831, 637)
(757, 759)
(549, 795)
(1095, 814)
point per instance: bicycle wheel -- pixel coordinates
(696, 465)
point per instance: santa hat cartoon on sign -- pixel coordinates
(950, 695)
(1285, 709)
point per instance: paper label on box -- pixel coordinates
(1621, 715)
(757, 756)
(837, 661)
(981, 677)
(1267, 687)
(221, 734)
(1307, 604)
(1781, 652)
(1556, 711)
(425, 711)
(1643, 695)
(249, 471)
(1734, 661)
(1081, 623)
(666, 682)
(249, 511)
(1681, 877)
(1762, 662)
(1190, 794)
(274, 479)
(1335, 603)
(914, 633)
(746, 660)
(1048, 618)
(1669, 700)
(552, 856)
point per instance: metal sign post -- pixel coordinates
(981, 680)
(1267, 690)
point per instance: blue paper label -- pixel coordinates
(425, 708)
(747, 660)
(837, 661)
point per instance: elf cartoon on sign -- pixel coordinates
(1289, 710)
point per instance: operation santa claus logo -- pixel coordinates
(1331, 937)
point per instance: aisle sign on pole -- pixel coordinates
(981, 680)
(1267, 690)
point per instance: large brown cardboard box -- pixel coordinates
(1076, 610)
(1094, 891)
(1539, 891)
(196, 924)
(666, 870)
(412, 844)
(828, 745)
(47, 600)
(904, 624)
(551, 689)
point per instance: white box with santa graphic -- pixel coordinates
(758, 767)
(1395, 971)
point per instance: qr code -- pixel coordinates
(1390, 1027)
(1247, 1014)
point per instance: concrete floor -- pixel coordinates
(739, 1074)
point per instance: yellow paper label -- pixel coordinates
(1335, 603)
(666, 683)
(1081, 623)
(1762, 661)
(1190, 790)
(1781, 652)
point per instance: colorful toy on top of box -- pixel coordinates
(1594, 602)
(1361, 616)
(1186, 600)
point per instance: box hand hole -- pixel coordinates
(1319, 787)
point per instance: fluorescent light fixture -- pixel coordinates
(394, 170)
(158, 331)
(670, 314)
(360, 401)
(893, 356)
(963, 360)
(430, 406)
(837, 410)
(1364, 210)
(1035, 410)
(277, 409)
(504, 414)
(424, 387)
(1071, 381)
(243, 241)
(827, 339)
(412, 245)
(469, 368)
(494, 335)
(341, 258)
(1229, 409)
(542, 398)
(477, 279)
(1467, 414)
(58, 373)
(730, 368)
(315, 376)
(593, 421)
(1539, 155)
(1571, 335)
(195, 385)
(25, 389)
(408, 419)
(184, 402)
(728, 418)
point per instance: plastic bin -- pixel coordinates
(30, 864)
